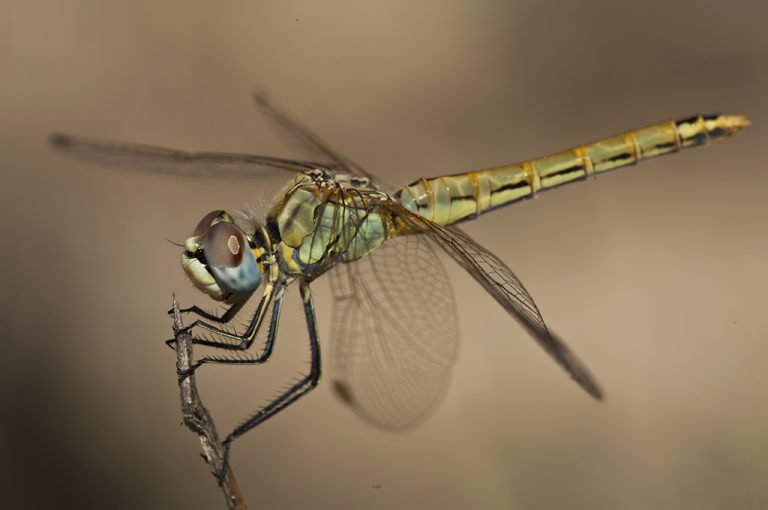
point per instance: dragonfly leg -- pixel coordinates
(261, 358)
(225, 317)
(296, 390)
(235, 341)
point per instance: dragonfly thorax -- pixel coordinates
(326, 219)
(221, 260)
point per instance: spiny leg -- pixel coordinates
(261, 358)
(224, 317)
(295, 391)
(244, 341)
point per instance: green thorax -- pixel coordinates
(323, 220)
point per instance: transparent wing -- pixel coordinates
(168, 161)
(395, 336)
(503, 285)
(307, 140)
(212, 164)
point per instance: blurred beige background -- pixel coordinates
(656, 275)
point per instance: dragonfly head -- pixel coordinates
(221, 259)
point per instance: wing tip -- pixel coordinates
(591, 387)
(581, 375)
(578, 371)
(260, 96)
(59, 140)
(342, 392)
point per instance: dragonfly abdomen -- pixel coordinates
(454, 198)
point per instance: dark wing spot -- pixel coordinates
(342, 391)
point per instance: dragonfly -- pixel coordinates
(395, 337)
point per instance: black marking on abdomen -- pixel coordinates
(698, 139)
(717, 133)
(512, 186)
(564, 171)
(619, 157)
(463, 197)
(689, 120)
(665, 145)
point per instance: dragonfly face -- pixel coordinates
(221, 259)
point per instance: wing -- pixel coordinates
(502, 284)
(306, 140)
(395, 336)
(210, 164)
(169, 161)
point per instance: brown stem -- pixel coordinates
(197, 418)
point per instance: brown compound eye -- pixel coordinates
(203, 225)
(224, 245)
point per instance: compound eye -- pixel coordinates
(203, 225)
(224, 244)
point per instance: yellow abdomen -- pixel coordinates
(453, 198)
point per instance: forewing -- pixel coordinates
(307, 140)
(212, 164)
(503, 285)
(395, 336)
(169, 161)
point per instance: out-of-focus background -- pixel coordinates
(656, 275)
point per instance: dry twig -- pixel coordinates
(197, 418)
